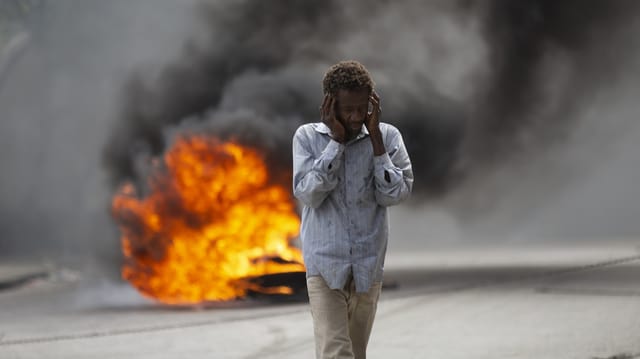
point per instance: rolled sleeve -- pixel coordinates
(393, 173)
(314, 178)
(331, 157)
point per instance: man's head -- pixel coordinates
(346, 75)
(351, 85)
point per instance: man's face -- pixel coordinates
(352, 109)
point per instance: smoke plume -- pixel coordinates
(501, 103)
(471, 85)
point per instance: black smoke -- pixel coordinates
(500, 102)
(254, 75)
(527, 42)
(547, 63)
(240, 38)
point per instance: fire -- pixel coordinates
(209, 222)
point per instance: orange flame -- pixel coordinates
(210, 221)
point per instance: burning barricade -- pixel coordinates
(210, 227)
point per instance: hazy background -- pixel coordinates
(520, 117)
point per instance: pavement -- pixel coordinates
(538, 301)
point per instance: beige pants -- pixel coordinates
(342, 318)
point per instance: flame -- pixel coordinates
(210, 221)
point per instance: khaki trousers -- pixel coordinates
(342, 318)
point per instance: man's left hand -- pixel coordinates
(373, 118)
(373, 124)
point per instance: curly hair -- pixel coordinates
(346, 75)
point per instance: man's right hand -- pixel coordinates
(328, 112)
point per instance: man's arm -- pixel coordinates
(392, 168)
(393, 172)
(314, 178)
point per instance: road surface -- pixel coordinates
(496, 301)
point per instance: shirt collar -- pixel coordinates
(322, 128)
(363, 132)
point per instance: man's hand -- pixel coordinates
(373, 118)
(328, 113)
(373, 125)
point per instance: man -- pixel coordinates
(347, 170)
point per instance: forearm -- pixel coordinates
(376, 141)
(393, 172)
(315, 176)
(314, 187)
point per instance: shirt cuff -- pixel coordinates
(383, 161)
(331, 154)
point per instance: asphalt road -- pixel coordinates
(515, 301)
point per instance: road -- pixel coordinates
(491, 301)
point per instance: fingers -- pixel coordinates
(332, 107)
(375, 101)
(328, 106)
(332, 104)
(328, 113)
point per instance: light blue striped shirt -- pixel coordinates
(345, 195)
